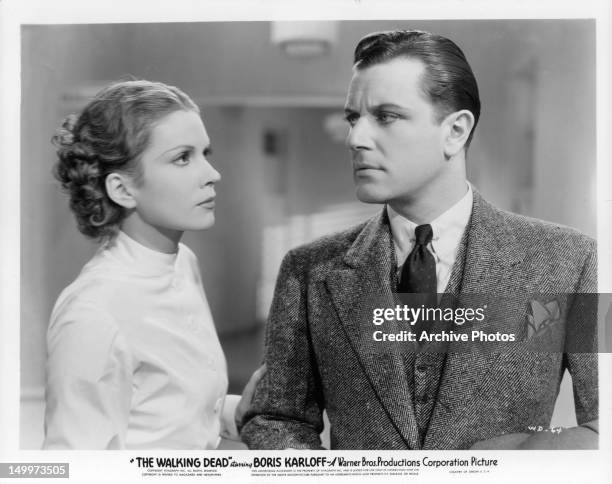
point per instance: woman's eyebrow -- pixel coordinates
(176, 148)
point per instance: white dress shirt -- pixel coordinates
(448, 229)
(133, 356)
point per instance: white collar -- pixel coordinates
(133, 255)
(448, 228)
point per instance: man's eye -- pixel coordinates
(386, 118)
(351, 118)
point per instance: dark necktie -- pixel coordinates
(419, 274)
(419, 271)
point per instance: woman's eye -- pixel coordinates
(182, 160)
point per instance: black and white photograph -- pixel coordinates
(219, 223)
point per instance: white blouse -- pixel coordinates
(133, 356)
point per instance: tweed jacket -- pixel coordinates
(317, 358)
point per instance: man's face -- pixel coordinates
(396, 144)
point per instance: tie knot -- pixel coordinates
(423, 234)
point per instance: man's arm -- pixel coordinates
(581, 360)
(287, 407)
(580, 437)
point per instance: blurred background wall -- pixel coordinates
(274, 121)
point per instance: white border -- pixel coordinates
(545, 466)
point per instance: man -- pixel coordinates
(412, 107)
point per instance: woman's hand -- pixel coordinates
(247, 394)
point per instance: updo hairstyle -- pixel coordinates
(108, 136)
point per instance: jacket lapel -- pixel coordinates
(363, 283)
(491, 255)
(491, 250)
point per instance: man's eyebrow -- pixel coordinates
(389, 106)
(378, 107)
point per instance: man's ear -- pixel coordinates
(120, 190)
(459, 126)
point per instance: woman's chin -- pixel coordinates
(207, 222)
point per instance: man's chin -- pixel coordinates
(369, 196)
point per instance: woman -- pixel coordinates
(133, 357)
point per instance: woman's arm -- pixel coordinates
(229, 430)
(235, 406)
(89, 382)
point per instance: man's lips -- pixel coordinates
(361, 162)
(357, 167)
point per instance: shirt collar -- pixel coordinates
(136, 256)
(447, 229)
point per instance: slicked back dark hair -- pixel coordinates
(448, 81)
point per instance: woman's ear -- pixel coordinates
(459, 124)
(120, 190)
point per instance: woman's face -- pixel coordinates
(177, 187)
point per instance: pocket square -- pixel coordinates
(542, 317)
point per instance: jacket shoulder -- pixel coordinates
(539, 234)
(545, 256)
(327, 248)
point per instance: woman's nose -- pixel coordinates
(210, 175)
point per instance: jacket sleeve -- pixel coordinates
(581, 347)
(286, 411)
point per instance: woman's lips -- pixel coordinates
(208, 203)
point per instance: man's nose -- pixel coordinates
(359, 136)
